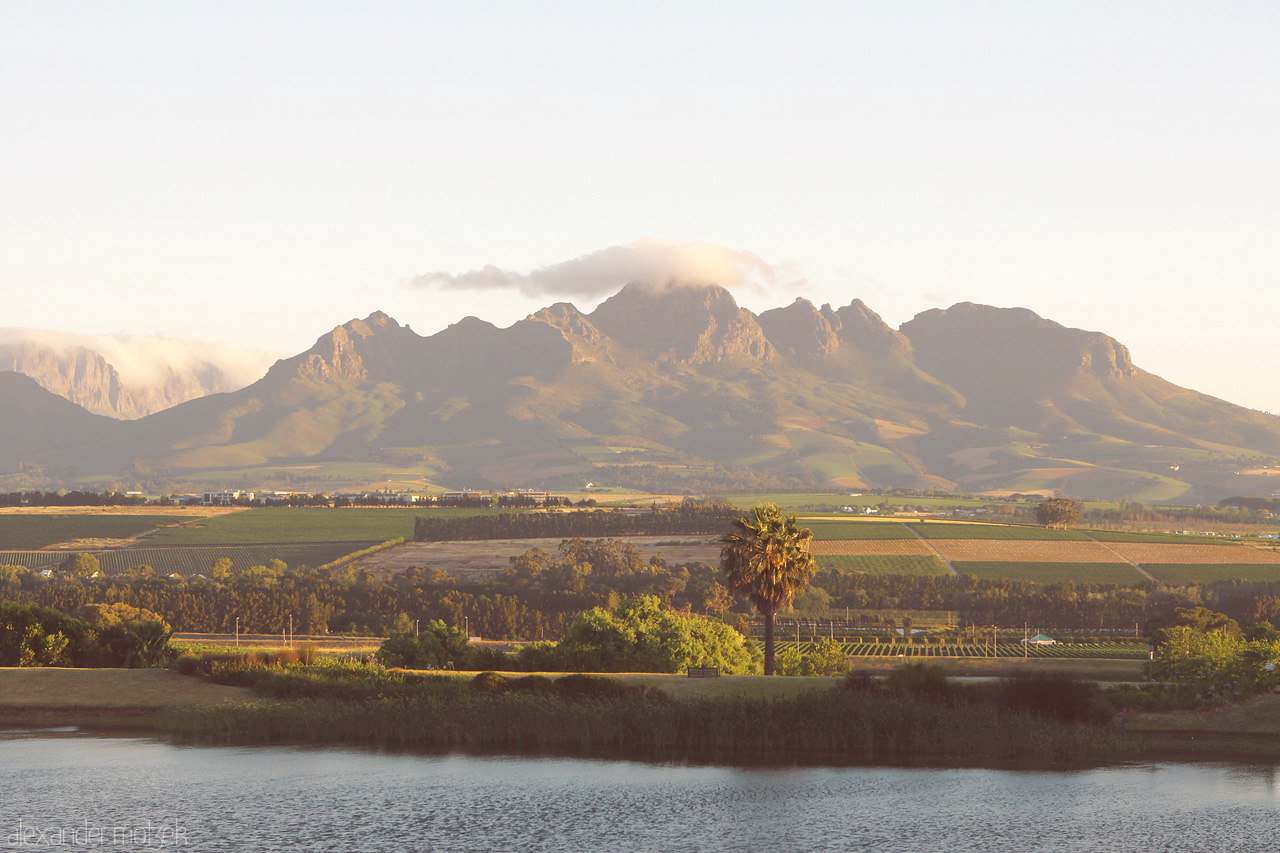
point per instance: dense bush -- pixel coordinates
(1216, 665)
(40, 636)
(928, 679)
(436, 646)
(639, 635)
(1056, 696)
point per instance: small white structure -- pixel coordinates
(226, 497)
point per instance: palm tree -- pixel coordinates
(767, 556)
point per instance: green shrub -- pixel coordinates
(435, 647)
(1055, 696)
(489, 682)
(483, 657)
(828, 658)
(580, 687)
(860, 682)
(918, 679)
(537, 684)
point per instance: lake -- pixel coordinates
(68, 790)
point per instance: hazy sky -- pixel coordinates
(262, 171)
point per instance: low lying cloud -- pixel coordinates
(148, 361)
(652, 263)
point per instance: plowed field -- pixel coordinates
(1025, 550)
(1204, 554)
(869, 547)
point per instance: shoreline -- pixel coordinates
(190, 709)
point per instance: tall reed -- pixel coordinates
(836, 726)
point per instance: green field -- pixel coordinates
(832, 502)
(22, 532)
(303, 524)
(1143, 536)
(897, 564)
(1186, 573)
(193, 559)
(1118, 573)
(849, 529)
(948, 530)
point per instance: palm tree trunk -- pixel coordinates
(768, 643)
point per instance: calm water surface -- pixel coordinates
(63, 792)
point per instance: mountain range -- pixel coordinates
(676, 389)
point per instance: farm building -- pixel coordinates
(1041, 640)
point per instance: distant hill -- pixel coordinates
(682, 389)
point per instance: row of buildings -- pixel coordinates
(466, 497)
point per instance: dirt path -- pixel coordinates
(1146, 574)
(935, 552)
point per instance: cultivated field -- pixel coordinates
(1053, 572)
(1019, 550)
(1107, 651)
(846, 529)
(867, 547)
(968, 530)
(1148, 536)
(29, 531)
(297, 524)
(192, 560)
(1182, 573)
(910, 564)
(1195, 553)
(994, 551)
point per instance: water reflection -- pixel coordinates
(285, 798)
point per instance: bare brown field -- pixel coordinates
(870, 547)
(59, 687)
(1150, 552)
(1022, 551)
(484, 559)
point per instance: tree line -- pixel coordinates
(542, 592)
(72, 498)
(689, 517)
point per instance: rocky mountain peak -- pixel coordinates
(693, 325)
(864, 328)
(375, 347)
(1004, 359)
(800, 329)
(587, 341)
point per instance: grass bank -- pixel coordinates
(1250, 730)
(104, 698)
